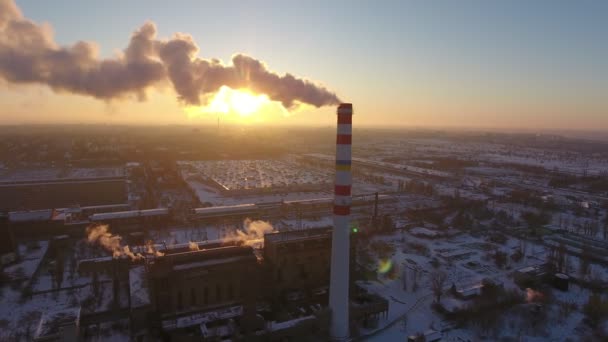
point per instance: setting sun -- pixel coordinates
(239, 105)
(246, 104)
(239, 102)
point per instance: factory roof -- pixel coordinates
(224, 209)
(312, 201)
(295, 234)
(105, 206)
(129, 214)
(51, 322)
(30, 215)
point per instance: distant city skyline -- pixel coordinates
(471, 64)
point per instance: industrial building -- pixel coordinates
(61, 193)
(211, 290)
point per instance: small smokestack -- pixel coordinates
(340, 261)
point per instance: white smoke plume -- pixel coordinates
(151, 250)
(29, 54)
(99, 234)
(252, 233)
(193, 246)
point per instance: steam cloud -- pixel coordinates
(151, 250)
(98, 234)
(252, 232)
(193, 246)
(28, 54)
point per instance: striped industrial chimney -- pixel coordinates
(340, 261)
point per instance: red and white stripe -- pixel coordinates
(340, 261)
(343, 182)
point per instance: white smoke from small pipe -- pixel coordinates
(193, 246)
(252, 233)
(99, 234)
(151, 250)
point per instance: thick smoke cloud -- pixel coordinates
(28, 54)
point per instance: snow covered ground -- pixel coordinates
(410, 309)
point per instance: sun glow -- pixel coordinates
(240, 106)
(230, 101)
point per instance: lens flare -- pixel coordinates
(384, 266)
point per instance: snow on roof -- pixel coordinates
(138, 287)
(205, 317)
(311, 201)
(451, 304)
(28, 263)
(424, 231)
(526, 269)
(296, 234)
(105, 206)
(274, 326)
(50, 322)
(474, 290)
(152, 212)
(129, 214)
(455, 253)
(224, 209)
(432, 335)
(30, 215)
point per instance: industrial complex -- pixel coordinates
(438, 241)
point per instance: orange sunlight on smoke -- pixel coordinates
(241, 104)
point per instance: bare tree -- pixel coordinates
(561, 257)
(584, 263)
(523, 247)
(414, 279)
(438, 280)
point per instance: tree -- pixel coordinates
(561, 257)
(605, 230)
(596, 309)
(387, 223)
(584, 262)
(534, 221)
(500, 259)
(414, 279)
(438, 280)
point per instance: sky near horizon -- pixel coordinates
(487, 64)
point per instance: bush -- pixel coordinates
(596, 309)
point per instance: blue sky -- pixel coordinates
(477, 63)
